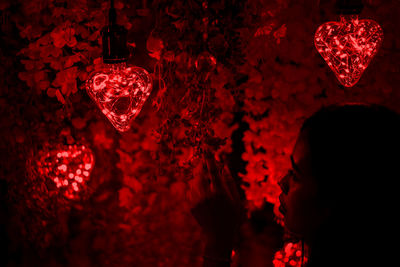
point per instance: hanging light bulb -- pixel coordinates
(348, 45)
(119, 90)
(68, 166)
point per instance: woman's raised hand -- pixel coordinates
(218, 207)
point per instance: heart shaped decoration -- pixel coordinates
(348, 46)
(69, 167)
(120, 92)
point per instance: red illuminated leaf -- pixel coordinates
(133, 183)
(79, 123)
(56, 64)
(82, 31)
(60, 97)
(29, 64)
(58, 38)
(71, 60)
(43, 85)
(154, 46)
(125, 197)
(280, 33)
(39, 76)
(51, 92)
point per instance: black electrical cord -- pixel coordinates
(349, 7)
(115, 48)
(112, 14)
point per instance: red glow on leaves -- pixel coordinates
(63, 165)
(120, 92)
(64, 36)
(154, 46)
(348, 46)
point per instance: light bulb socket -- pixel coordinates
(349, 7)
(115, 49)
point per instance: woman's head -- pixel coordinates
(344, 168)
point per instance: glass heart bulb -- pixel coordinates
(348, 46)
(120, 92)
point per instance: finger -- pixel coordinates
(206, 183)
(214, 172)
(223, 180)
(231, 184)
(199, 185)
(193, 195)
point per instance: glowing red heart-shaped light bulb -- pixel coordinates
(120, 92)
(348, 46)
(68, 166)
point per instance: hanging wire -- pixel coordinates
(112, 14)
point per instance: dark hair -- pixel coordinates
(355, 156)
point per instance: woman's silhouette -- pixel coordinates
(340, 195)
